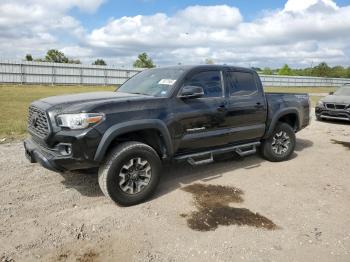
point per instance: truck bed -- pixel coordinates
(278, 101)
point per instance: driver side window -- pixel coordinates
(210, 81)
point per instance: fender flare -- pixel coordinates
(280, 113)
(132, 126)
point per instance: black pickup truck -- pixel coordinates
(180, 113)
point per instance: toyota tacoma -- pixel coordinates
(170, 114)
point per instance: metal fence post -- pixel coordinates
(81, 75)
(105, 76)
(53, 75)
(22, 73)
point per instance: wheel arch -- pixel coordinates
(134, 127)
(286, 115)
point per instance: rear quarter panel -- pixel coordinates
(280, 104)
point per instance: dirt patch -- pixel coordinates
(212, 202)
(87, 257)
(343, 143)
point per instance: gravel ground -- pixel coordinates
(291, 211)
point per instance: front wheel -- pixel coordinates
(280, 145)
(130, 173)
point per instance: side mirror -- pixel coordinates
(331, 93)
(191, 92)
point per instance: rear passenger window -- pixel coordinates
(241, 84)
(210, 81)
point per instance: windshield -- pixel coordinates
(343, 91)
(153, 82)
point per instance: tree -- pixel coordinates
(55, 56)
(99, 62)
(338, 71)
(29, 57)
(267, 71)
(285, 71)
(321, 70)
(143, 61)
(209, 61)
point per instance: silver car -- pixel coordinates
(335, 106)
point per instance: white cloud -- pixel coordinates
(301, 33)
(304, 5)
(205, 16)
(33, 26)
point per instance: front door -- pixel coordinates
(199, 120)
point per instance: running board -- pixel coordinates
(208, 156)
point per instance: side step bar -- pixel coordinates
(208, 156)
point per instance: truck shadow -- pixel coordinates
(84, 181)
(179, 175)
(175, 175)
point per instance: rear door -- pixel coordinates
(246, 108)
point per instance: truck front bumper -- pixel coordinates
(35, 154)
(53, 159)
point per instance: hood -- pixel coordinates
(336, 99)
(89, 97)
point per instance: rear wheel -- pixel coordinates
(130, 173)
(280, 145)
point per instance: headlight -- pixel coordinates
(79, 121)
(320, 103)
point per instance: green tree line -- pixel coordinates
(53, 56)
(56, 56)
(321, 70)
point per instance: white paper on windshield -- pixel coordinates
(168, 82)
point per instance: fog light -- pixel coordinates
(68, 150)
(65, 150)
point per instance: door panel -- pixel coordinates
(246, 107)
(199, 122)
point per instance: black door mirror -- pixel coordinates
(331, 93)
(191, 92)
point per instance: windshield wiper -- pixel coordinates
(137, 93)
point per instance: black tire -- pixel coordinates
(268, 148)
(109, 172)
(318, 118)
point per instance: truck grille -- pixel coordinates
(336, 106)
(37, 122)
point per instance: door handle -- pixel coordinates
(222, 108)
(259, 105)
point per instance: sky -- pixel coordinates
(257, 33)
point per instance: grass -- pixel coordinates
(14, 101)
(310, 90)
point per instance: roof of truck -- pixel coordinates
(205, 67)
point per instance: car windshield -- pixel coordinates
(343, 91)
(152, 82)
